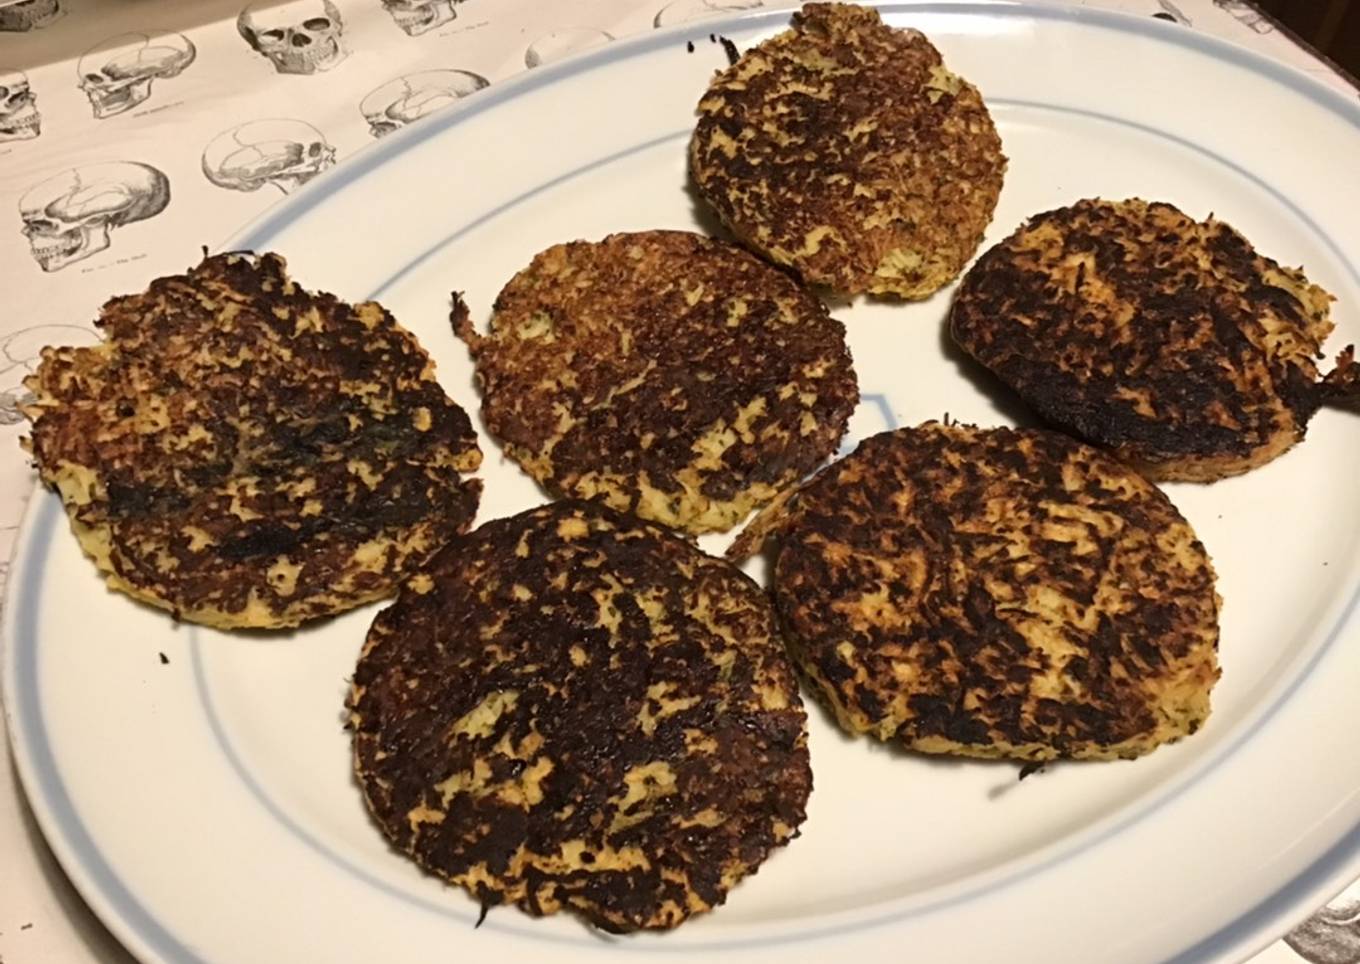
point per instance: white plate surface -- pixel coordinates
(205, 807)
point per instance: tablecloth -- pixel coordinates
(134, 131)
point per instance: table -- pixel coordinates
(129, 126)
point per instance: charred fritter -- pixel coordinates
(997, 593)
(245, 453)
(662, 373)
(572, 709)
(845, 149)
(1170, 341)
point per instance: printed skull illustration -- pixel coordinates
(284, 153)
(1331, 936)
(563, 43)
(69, 217)
(19, 118)
(1246, 14)
(298, 37)
(1169, 11)
(398, 102)
(20, 353)
(116, 75)
(418, 16)
(20, 15)
(683, 11)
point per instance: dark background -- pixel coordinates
(1331, 26)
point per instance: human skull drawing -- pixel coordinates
(20, 353)
(70, 216)
(563, 43)
(1246, 14)
(21, 15)
(19, 118)
(298, 37)
(398, 102)
(683, 11)
(1331, 936)
(284, 153)
(116, 75)
(418, 16)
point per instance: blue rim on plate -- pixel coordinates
(138, 926)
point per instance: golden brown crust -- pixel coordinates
(663, 373)
(245, 453)
(844, 149)
(571, 709)
(998, 593)
(1169, 341)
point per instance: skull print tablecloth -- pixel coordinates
(132, 132)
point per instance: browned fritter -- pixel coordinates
(845, 149)
(570, 709)
(245, 453)
(997, 593)
(1170, 341)
(663, 373)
